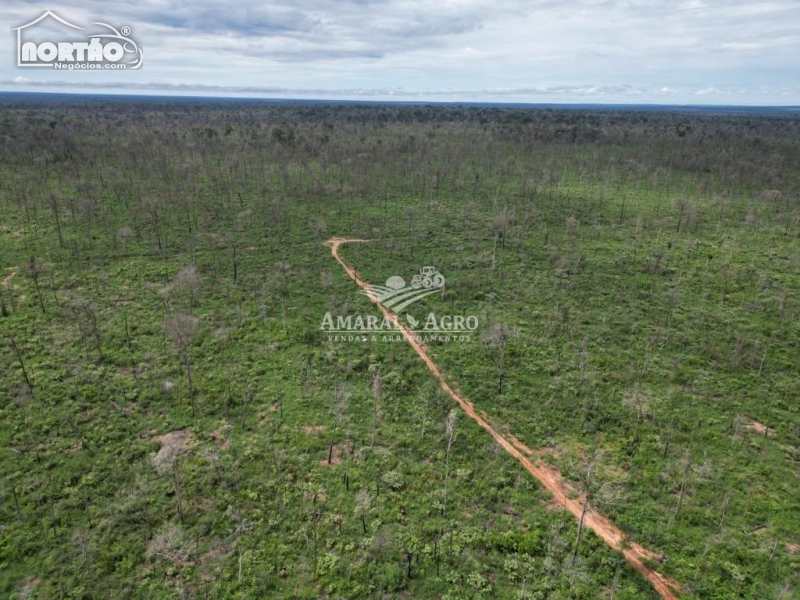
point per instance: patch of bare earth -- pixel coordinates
(171, 442)
(7, 279)
(309, 429)
(7, 229)
(759, 428)
(214, 557)
(792, 548)
(509, 511)
(336, 457)
(266, 414)
(216, 435)
(28, 588)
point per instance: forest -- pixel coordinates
(175, 422)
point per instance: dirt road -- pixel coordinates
(549, 477)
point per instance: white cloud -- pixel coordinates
(616, 50)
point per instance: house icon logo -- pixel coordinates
(109, 49)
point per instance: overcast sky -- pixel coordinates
(584, 51)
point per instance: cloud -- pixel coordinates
(508, 48)
(322, 30)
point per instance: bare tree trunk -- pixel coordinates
(377, 391)
(580, 529)
(687, 468)
(22, 365)
(615, 583)
(587, 478)
(235, 265)
(188, 363)
(450, 435)
(35, 277)
(177, 490)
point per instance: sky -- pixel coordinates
(732, 52)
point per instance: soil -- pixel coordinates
(178, 440)
(309, 429)
(7, 279)
(759, 427)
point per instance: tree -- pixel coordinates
(35, 272)
(17, 353)
(450, 436)
(185, 285)
(498, 337)
(284, 268)
(638, 401)
(363, 507)
(586, 480)
(410, 546)
(56, 207)
(172, 546)
(499, 225)
(88, 321)
(318, 498)
(152, 208)
(340, 411)
(166, 462)
(377, 392)
(124, 235)
(182, 330)
(3, 307)
(682, 204)
(687, 470)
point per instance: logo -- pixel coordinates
(396, 296)
(53, 42)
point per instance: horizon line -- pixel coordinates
(318, 99)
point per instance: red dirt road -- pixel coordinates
(547, 476)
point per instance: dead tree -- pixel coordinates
(498, 337)
(182, 330)
(449, 434)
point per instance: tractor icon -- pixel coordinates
(427, 278)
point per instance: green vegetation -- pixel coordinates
(175, 424)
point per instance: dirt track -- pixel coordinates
(549, 477)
